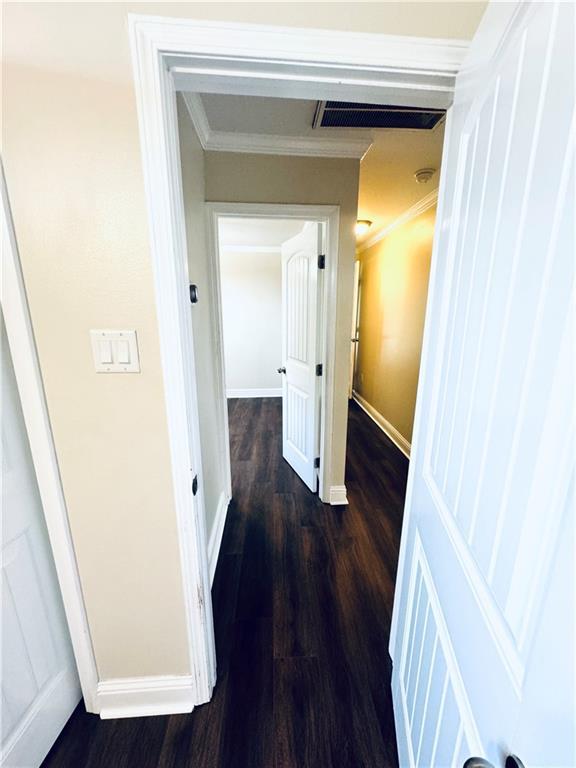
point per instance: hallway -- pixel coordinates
(302, 603)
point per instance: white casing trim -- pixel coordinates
(337, 495)
(216, 534)
(267, 144)
(270, 392)
(389, 429)
(146, 696)
(410, 213)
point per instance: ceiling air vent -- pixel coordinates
(348, 114)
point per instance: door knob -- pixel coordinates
(281, 370)
(479, 762)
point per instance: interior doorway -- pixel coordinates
(270, 297)
(271, 269)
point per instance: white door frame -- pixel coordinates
(31, 390)
(226, 58)
(330, 216)
(244, 59)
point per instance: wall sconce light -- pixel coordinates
(362, 226)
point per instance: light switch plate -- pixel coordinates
(115, 351)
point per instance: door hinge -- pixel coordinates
(321, 261)
(193, 294)
(319, 369)
(195, 485)
(317, 462)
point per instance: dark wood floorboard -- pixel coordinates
(302, 605)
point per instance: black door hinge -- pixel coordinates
(317, 462)
(319, 369)
(195, 485)
(321, 261)
(193, 294)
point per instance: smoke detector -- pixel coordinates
(423, 175)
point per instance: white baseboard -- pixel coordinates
(337, 495)
(275, 392)
(215, 539)
(389, 430)
(145, 696)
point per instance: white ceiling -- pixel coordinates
(259, 233)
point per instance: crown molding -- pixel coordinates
(264, 144)
(410, 213)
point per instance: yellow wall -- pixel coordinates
(394, 286)
(244, 178)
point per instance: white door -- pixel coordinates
(300, 352)
(40, 686)
(483, 628)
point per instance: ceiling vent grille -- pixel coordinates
(348, 114)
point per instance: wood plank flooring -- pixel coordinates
(302, 602)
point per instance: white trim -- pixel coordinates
(270, 392)
(330, 215)
(198, 116)
(215, 540)
(30, 387)
(337, 495)
(146, 696)
(157, 116)
(410, 213)
(276, 249)
(389, 429)
(253, 59)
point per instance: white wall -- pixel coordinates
(252, 322)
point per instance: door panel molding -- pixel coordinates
(421, 715)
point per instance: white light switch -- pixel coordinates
(123, 349)
(115, 351)
(104, 352)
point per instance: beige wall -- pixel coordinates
(211, 432)
(73, 170)
(244, 178)
(394, 286)
(252, 318)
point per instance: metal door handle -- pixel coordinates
(479, 762)
(281, 370)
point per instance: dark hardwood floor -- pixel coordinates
(302, 604)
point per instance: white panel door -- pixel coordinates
(40, 686)
(483, 628)
(300, 352)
